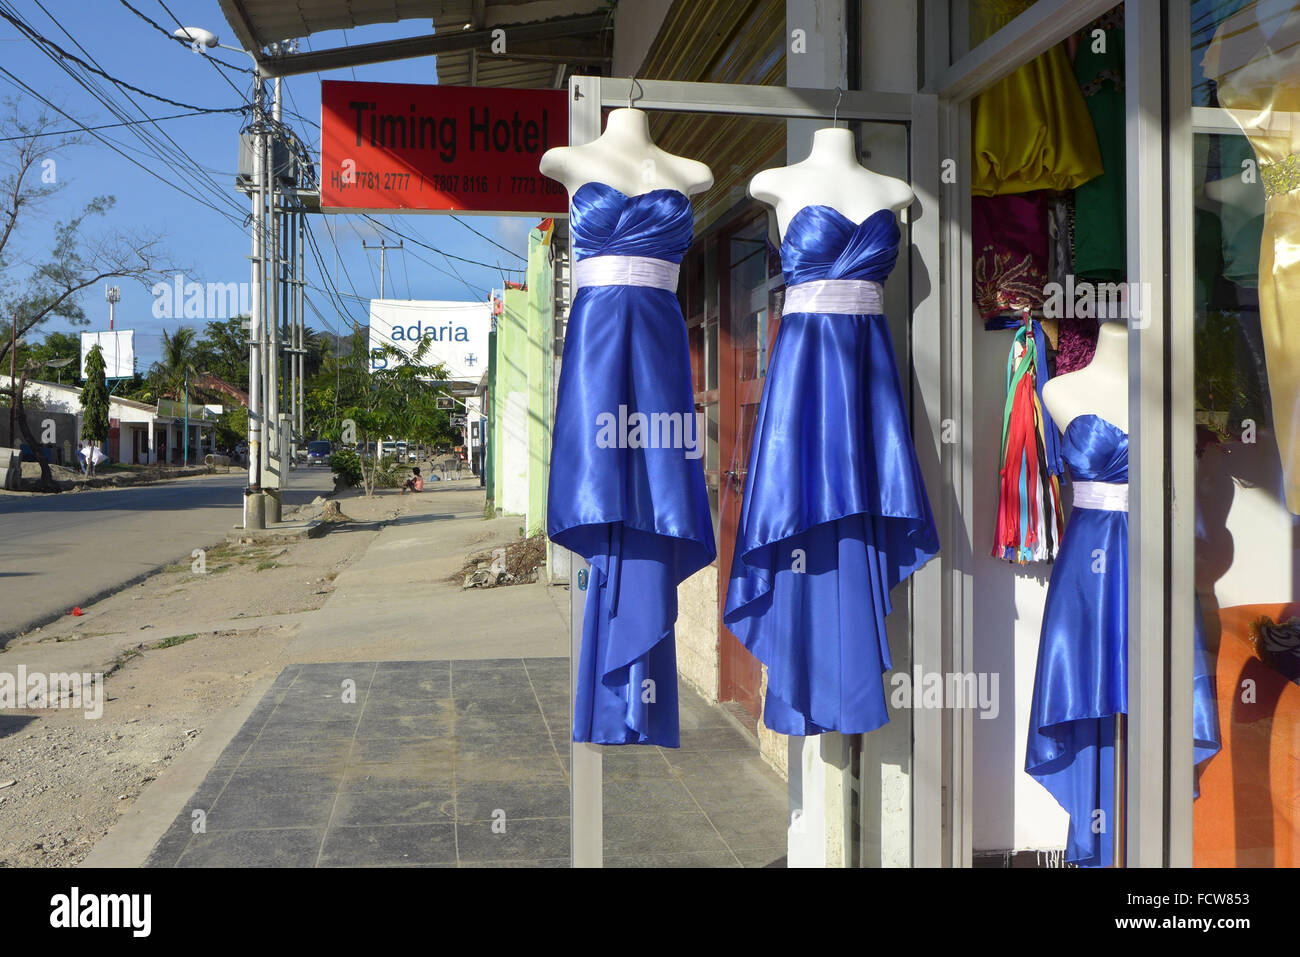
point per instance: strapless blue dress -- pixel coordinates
(639, 515)
(834, 512)
(1081, 681)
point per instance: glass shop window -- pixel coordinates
(971, 22)
(1246, 695)
(1050, 449)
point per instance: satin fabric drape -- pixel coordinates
(834, 512)
(1259, 80)
(639, 515)
(1081, 681)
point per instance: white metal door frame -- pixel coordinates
(587, 96)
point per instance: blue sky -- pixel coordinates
(206, 244)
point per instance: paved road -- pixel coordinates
(57, 551)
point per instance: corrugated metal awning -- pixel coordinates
(542, 39)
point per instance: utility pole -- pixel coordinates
(13, 381)
(300, 311)
(383, 250)
(254, 502)
(274, 473)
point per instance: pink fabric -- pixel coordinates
(1009, 234)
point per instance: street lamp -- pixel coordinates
(200, 39)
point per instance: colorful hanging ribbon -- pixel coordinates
(1030, 517)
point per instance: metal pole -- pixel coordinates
(273, 477)
(1117, 810)
(299, 308)
(254, 513)
(586, 779)
(186, 440)
(13, 381)
(291, 321)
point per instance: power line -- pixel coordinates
(489, 239)
(41, 40)
(106, 126)
(160, 152)
(473, 262)
(213, 60)
(171, 36)
(117, 149)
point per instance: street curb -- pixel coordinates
(313, 528)
(131, 480)
(9, 635)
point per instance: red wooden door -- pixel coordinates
(744, 336)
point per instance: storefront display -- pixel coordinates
(820, 515)
(834, 512)
(1252, 59)
(633, 505)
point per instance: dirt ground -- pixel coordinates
(65, 779)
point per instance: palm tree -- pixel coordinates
(317, 347)
(169, 373)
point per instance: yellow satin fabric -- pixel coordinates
(1262, 84)
(1032, 130)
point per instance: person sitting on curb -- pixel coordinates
(415, 483)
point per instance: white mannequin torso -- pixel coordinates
(830, 176)
(625, 158)
(1100, 388)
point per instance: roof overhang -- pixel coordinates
(545, 33)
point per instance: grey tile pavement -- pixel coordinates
(464, 764)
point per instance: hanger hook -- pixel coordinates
(635, 84)
(835, 116)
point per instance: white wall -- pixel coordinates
(1010, 809)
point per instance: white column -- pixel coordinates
(819, 832)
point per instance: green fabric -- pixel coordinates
(1100, 236)
(1243, 229)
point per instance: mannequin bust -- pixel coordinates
(830, 176)
(625, 158)
(1100, 388)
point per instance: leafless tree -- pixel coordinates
(35, 290)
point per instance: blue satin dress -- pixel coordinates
(1081, 681)
(834, 512)
(640, 516)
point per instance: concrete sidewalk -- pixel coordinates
(416, 723)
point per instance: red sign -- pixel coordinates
(409, 146)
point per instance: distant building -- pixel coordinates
(138, 434)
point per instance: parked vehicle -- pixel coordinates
(318, 452)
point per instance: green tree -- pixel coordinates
(176, 366)
(53, 358)
(222, 350)
(94, 399)
(395, 401)
(232, 427)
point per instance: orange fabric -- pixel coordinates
(1248, 814)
